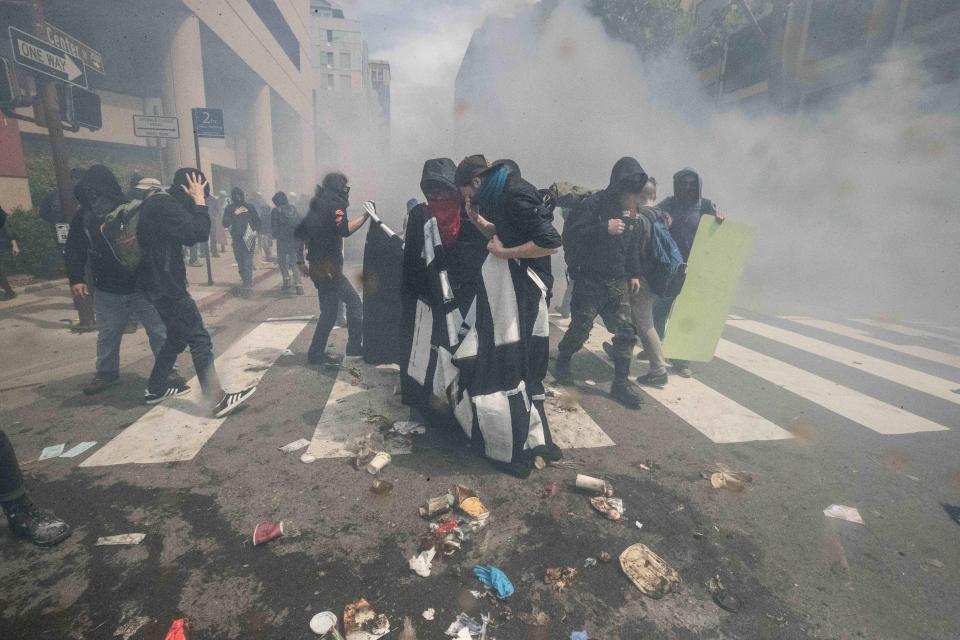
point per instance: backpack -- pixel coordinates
(668, 270)
(119, 231)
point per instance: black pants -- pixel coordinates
(331, 293)
(185, 329)
(610, 301)
(11, 481)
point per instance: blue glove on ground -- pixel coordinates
(495, 579)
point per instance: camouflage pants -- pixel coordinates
(610, 301)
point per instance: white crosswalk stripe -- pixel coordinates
(177, 429)
(916, 351)
(913, 332)
(905, 376)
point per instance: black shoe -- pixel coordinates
(173, 390)
(98, 385)
(653, 380)
(299, 290)
(625, 394)
(562, 372)
(232, 401)
(354, 350)
(40, 527)
(326, 360)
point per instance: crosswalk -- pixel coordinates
(177, 430)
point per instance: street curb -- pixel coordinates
(223, 296)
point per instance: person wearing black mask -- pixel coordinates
(283, 222)
(169, 222)
(243, 221)
(323, 231)
(685, 207)
(116, 298)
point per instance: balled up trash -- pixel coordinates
(266, 531)
(467, 501)
(436, 506)
(649, 572)
(361, 622)
(611, 508)
(560, 577)
(422, 564)
(178, 630)
(495, 579)
(464, 623)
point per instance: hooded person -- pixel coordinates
(600, 243)
(243, 221)
(116, 298)
(685, 208)
(168, 222)
(322, 231)
(284, 219)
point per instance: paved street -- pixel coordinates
(817, 410)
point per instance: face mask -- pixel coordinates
(446, 211)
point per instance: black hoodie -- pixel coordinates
(590, 250)
(240, 215)
(324, 228)
(686, 215)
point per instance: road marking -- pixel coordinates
(907, 331)
(713, 414)
(858, 407)
(177, 429)
(899, 374)
(912, 350)
(570, 425)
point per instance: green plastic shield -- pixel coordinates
(716, 263)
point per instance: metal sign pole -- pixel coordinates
(196, 147)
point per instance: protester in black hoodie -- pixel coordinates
(241, 218)
(283, 223)
(323, 231)
(116, 299)
(600, 244)
(168, 222)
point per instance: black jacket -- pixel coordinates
(590, 250)
(283, 222)
(323, 231)
(686, 215)
(84, 240)
(238, 216)
(167, 224)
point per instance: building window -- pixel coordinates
(330, 59)
(346, 82)
(345, 60)
(330, 84)
(329, 36)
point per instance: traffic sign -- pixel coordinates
(68, 44)
(42, 57)
(155, 127)
(208, 123)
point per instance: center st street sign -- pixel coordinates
(67, 43)
(42, 57)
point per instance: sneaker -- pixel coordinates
(561, 371)
(653, 379)
(173, 390)
(326, 360)
(683, 371)
(299, 289)
(354, 350)
(230, 402)
(97, 385)
(40, 527)
(625, 394)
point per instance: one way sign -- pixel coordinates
(44, 58)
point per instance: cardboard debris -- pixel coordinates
(841, 512)
(296, 445)
(649, 572)
(77, 449)
(51, 452)
(467, 501)
(123, 538)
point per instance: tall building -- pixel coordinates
(347, 104)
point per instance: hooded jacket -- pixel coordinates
(284, 218)
(324, 228)
(590, 250)
(167, 224)
(686, 215)
(239, 215)
(98, 193)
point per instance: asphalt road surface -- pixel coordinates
(818, 411)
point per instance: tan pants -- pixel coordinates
(641, 306)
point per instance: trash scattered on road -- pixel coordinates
(638, 524)
(464, 624)
(589, 562)
(436, 506)
(477, 594)
(605, 557)
(407, 633)
(296, 445)
(611, 508)
(590, 383)
(729, 480)
(567, 464)
(408, 428)
(429, 614)
(356, 373)
(495, 579)
(361, 622)
(77, 449)
(722, 596)
(552, 488)
(379, 461)
(266, 531)
(841, 512)
(469, 502)
(178, 630)
(535, 618)
(596, 485)
(579, 635)
(123, 538)
(422, 564)
(287, 352)
(677, 510)
(381, 422)
(53, 451)
(697, 535)
(649, 572)
(935, 563)
(325, 624)
(381, 487)
(308, 458)
(560, 577)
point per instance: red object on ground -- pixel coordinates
(445, 527)
(178, 630)
(267, 531)
(552, 488)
